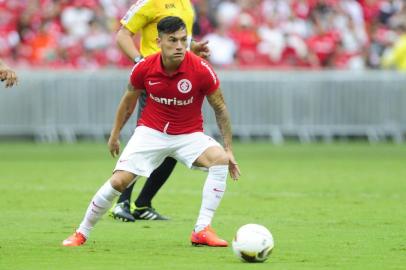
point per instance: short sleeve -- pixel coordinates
(137, 16)
(138, 74)
(210, 81)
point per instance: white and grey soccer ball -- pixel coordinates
(253, 243)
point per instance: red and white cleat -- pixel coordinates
(76, 239)
(207, 237)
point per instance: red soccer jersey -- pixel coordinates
(174, 103)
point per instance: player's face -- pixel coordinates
(173, 46)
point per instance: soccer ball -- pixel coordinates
(253, 243)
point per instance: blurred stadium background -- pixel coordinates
(306, 69)
(303, 69)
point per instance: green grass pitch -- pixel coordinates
(336, 206)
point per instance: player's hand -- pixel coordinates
(114, 146)
(9, 76)
(201, 49)
(233, 166)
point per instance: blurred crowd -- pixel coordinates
(308, 34)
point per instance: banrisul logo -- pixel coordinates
(184, 86)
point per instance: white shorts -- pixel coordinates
(148, 148)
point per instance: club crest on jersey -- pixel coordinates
(184, 86)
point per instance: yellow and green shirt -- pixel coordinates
(144, 16)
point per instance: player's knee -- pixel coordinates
(117, 184)
(119, 181)
(212, 157)
(221, 159)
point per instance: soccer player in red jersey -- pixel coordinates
(143, 18)
(171, 124)
(7, 74)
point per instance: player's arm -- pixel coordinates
(216, 101)
(136, 18)
(7, 74)
(124, 111)
(124, 40)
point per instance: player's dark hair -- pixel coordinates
(170, 24)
